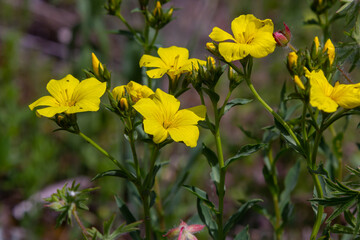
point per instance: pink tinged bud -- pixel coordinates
(282, 38)
(287, 32)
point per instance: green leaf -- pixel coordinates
(341, 208)
(111, 173)
(239, 214)
(210, 155)
(244, 152)
(339, 229)
(206, 216)
(288, 138)
(205, 125)
(128, 216)
(236, 102)
(290, 183)
(202, 195)
(214, 97)
(244, 234)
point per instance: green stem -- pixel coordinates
(78, 220)
(267, 107)
(145, 194)
(221, 186)
(100, 149)
(320, 209)
(131, 29)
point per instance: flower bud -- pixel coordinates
(157, 10)
(124, 105)
(329, 47)
(96, 64)
(282, 38)
(113, 7)
(298, 82)
(292, 60)
(317, 44)
(210, 63)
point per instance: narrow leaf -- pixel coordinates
(244, 234)
(244, 152)
(236, 102)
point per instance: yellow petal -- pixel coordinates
(62, 89)
(156, 73)
(85, 105)
(262, 45)
(240, 27)
(167, 103)
(320, 92)
(187, 134)
(200, 111)
(118, 92)
(219, 35)
(151, 61)
(149, 110)
(233, 51)
(171, 54)
(347, 95)
(192, 63)
(88, 89)
(44, 101)
(51, 111)
(155, 128)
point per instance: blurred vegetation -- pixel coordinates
(53, 38)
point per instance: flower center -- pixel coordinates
(245, 38)
(175, 65)
(166, 124)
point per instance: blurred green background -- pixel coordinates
(42, 40)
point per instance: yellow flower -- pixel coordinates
(173, 61)
(70, 96)
(162, 118)
(298, 82)
(330, 50)
(135, 90)
(251, 36)
(95, 64)
(327, 98)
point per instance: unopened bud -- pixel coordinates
(329, 47)
(157, 10)
(210, 62)
(317, 44)
(298, 82)
(124, 105)
(292, 60)
(96, 64)
(282, 38)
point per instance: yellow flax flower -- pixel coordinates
(327, 98)
(329, 47)
(251, 36)
(69, 96)
(173, 61)
(135, 90)
(162, 118)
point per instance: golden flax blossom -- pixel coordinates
(162, 118)
(69, 95)
(327, 98)
(251, 36)
(135, 90)
(172, 60)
